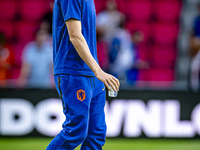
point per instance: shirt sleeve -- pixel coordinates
(71, 9)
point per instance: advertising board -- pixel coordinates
(133, 114)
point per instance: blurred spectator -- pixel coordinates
(132, 74)
(195, 53)
(107, 24)
(121, 54)
(47, 19)
(108, 21)
(195, 73)
(195, 35)
(37, 63)
(5, 56)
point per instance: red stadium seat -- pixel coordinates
(102, 53)
(164, 53)
(164, 34)
(161, 78)
(138, 26)
(7, 29)
(167, 11)
(25, 32)
(143, 75)
(156, 78)
(139, 11)
(162, 64)
(163, 57)
(14, 74)
(18, 49)
(7, 10)
(100, 5)
(15, 70)
(142, 54)
(25, 29)
(32, 10)
(162, 75)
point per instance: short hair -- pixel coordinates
(2, 39)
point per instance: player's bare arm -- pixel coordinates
(80, 44)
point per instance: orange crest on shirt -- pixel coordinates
(81, 95)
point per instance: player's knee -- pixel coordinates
(98, 125)
(82, 137)
(81, 133)
(76, 126)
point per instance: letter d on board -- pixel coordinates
(15, 117)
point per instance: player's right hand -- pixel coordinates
(108, 80)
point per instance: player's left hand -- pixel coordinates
(108, 80)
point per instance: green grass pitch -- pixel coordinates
(111, 144)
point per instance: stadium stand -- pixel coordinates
(7, 10)
(164, 34)
(167, 11)
(6, 28)
(158, 19)
(32, 10)
(137, 11)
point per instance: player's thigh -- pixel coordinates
(98, 103)
(76, 93)
(97, 123)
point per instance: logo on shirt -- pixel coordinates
(81, 95)
(103, 89)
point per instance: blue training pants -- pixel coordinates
(83, 100)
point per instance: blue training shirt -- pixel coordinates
(65, 57)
